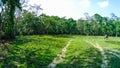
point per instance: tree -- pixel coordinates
(1, 9)
(98, 24)
(116, 23)
(10, 6)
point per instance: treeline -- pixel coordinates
(98, 25)
(30, 24)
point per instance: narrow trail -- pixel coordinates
(72, 61)
(60, 57)
(104, 59)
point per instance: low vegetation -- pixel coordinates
(81, 55)
(40, 50)
(31, 51)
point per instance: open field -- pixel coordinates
(61, 51)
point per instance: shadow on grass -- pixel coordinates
(22, 57)
(113, 59)
(26, 58)
(63, 36)
(113, 42)
(21, 41)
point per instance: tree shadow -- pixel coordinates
(27, 58)
(63, 36)
(21, 57)
(113, 58)
(20, 41)
(113, 42)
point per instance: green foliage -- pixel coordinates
(44, 24)
(98, 25)
(9, 9)
(31, 24)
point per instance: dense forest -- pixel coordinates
(28, 22)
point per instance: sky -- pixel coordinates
(76, 8)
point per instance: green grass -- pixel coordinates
(112, 44)
(38, 51)
(81, 55)
(33, 51)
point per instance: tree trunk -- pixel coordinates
(9, 31)
(116, 34)
(0, 26)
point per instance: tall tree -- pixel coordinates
(10, 6)
(115, 21)
(1, 18)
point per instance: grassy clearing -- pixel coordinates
(32, 51)
(39, 51)
(112, 50)
(110, 43)
(111, 47)
(81, 55)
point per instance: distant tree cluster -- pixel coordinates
(30, 24)
(98, 25)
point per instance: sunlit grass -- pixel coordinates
(81, 55)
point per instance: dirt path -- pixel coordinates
(60, 57)
(104, 59)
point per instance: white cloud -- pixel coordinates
(85, 3)
(103, 4)
(57, 7)
(69, 8)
